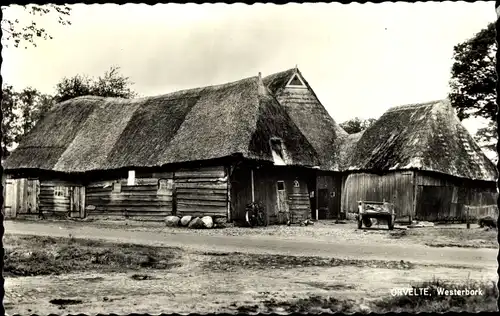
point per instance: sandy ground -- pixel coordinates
(194, 288)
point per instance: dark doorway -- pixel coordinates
(434, 203)
(323, 199)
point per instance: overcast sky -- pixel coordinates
(360, 59)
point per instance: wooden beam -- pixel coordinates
(228, 172)
(253, 187)
(414, 206)
(317, 199)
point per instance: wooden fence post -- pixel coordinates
(467, 216)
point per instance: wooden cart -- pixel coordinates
(379, 210)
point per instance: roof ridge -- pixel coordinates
(414, 105)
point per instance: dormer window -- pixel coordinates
(296, 82)
(278, 152)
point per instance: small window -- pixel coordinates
(165, 184)
(59, 191)
(296, 81)
(117, 187)
(278, 151)
(131, 177)
(281, 186)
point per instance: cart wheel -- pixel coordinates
(367, 221)
(390, 223)
(360, 224)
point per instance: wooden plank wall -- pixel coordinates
(21, 196)
(202, 191)
(55, 197)
(333, 184)
(241, 193)
(29, 197)
(266, 192)
(10, 198)
(395, 187)
(298, 200)
(482, 199)
(145, 200)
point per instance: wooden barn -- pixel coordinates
(204, 151)
(423, 160)
(295, 94)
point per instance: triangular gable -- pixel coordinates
(296, 81)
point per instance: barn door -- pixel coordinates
(434, 203)
(282, 202)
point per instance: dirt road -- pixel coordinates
(272, 245)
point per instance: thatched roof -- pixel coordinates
(94, 133)
(347, 149)
(310, 115)
(425, 136)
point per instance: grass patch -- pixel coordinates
(408, 304)
(313, 304)
(238, 260)
(41, 255)
(442, 303)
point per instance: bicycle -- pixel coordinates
(254, 214)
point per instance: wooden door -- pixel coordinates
(311, 185)
(32, 192)
(323, 201)
(77, 202)
(434, 203)
(282, 202)
(10, 207)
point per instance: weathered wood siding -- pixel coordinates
(395, 187)
(298, 200)
(150, 198)
(241, 193)
(266, 192)
(34, 197)
(202, 191)
(422, 195)
(442, 198)
(21, 196)
(55, 197)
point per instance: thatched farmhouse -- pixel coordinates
(205, 151)
(423, 160)
(298, 98)
(213, 150)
